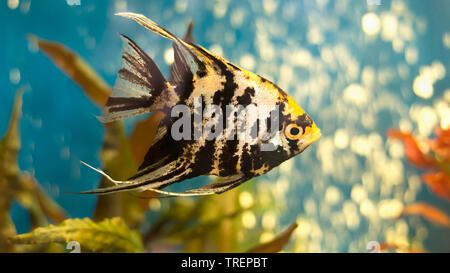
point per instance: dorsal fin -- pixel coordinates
(179, 66)
(180, 69)
(188, 55)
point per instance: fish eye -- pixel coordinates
(293, 131)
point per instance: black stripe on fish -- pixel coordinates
(217, 97)
(204, 158)
(128, 103)
(229, 158)
(304, 121)
(170, 175)
(201, 71)
(139, 86)
(230, 86)
(278, 114)
(230, 154)
(185, 88)
(165, 147)
(253, 159)
(148, 73)
(257, 157)
(132, 186)
(159, 150)
(246, 98)
(234, 66)
(246, 160)
(283, 94)
(188, 49)
(224, 185)
(182, 74)
(180, 58)
(188, 38)
(140, 78)
(272, 158)
(293, 145)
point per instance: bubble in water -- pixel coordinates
(356, 94)
(389, 209)
(181, 6)
(371, 24)
(237, 17)
(14, 76)
(341, 139)
(248, 219)
(358, 193)
(266, 237)
(332, 195)
(411, 55)
(220, 9)
(168, 56)
(245, 199)
(13, 4)
(120, 5)
(247, 61)
(423, 87)
(73, 2)
(446, 39)
(389, 24)
(217, 49)
(269, 220)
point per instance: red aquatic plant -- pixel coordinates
(428, 212)
(433, 155)
(441, 146)
(439, 183)
(413, 151)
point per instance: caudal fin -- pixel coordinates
(140, 86)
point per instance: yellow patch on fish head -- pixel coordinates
(304, 130)
(293, 108)
(300, 129)
(312, 133)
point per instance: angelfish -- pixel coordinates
(197, 73)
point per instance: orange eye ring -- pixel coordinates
(293, 131)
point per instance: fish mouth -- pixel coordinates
(313, 136)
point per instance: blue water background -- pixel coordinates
(59, 128)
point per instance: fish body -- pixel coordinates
(201, 79)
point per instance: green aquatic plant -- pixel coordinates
(109, 235)
(16, 185)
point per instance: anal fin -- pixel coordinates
(222, 186)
